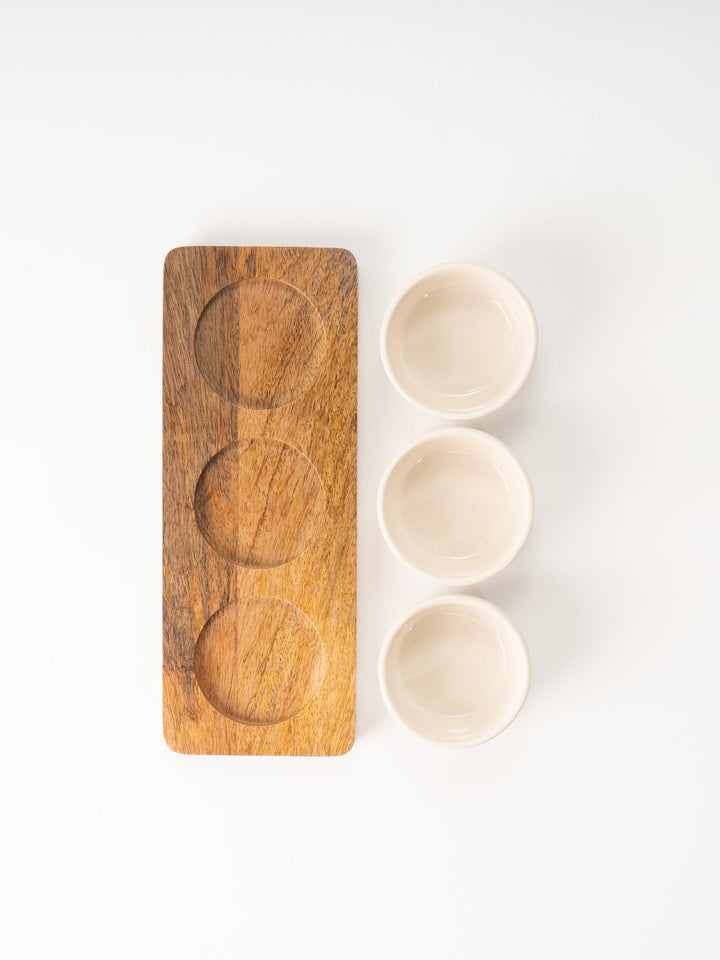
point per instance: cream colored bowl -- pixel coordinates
(456, 505)
(460, 341)
(454, 671)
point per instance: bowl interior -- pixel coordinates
(456, 672)
(457, 506)
(461, 340)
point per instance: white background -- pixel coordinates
(575, 147)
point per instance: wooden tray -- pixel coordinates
(259, 500)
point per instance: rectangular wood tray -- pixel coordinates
(259, 500)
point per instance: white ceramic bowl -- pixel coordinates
(456, 505)
(454, 671)
(460, 341)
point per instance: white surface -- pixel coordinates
(454, 670)
(459, 341)
(456, 505)
(574, 147)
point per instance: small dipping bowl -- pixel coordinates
(454, 671)
(459, 342)
(456, 505)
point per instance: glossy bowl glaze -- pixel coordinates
(459, 342)
(454, 671)
(456, 505)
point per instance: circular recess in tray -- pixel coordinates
(259, 503)
(260, 343)
(259, 660)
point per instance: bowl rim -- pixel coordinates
(485, 408)
(434, 603)
(446, 433)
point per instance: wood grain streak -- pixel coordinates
(259, 500)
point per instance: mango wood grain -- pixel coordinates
(259, 500)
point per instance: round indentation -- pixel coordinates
(259, 503)
(259, 660)
(260, 343)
